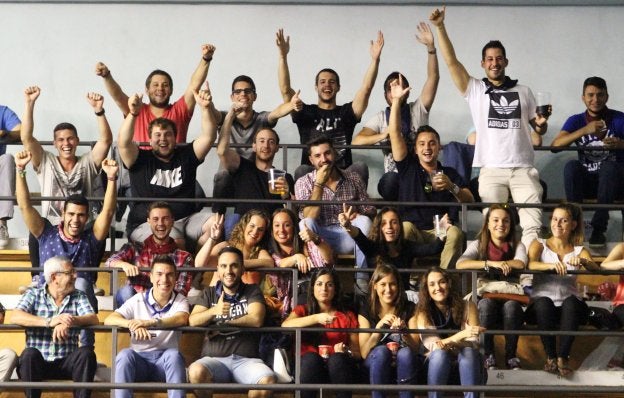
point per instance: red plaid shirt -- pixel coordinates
(142, 254)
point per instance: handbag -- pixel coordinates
(281, 366)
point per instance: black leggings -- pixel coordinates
(338, 369)
(569, 316)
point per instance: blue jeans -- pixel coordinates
(161, 366)
(388, 186)
(441, 362)
(340, 241)
(605, 186)
(123, 294)
(379, 361)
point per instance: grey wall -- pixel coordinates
(57, 45)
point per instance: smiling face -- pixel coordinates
(327, 87)
(387, 289)
(283, 229)
(494, 64)
(324, 289)
(159, 91)
(438, 287)
(254, 231)
(427, 148)
(66, 141)
(390, 226)
(243, 93)
(162, 141)
(322, 154)
(595, 99)
(163, 278)
(499, 225)
(265, 145)
(74, 219)
(160, 221)
(229, 271)
(562, 225)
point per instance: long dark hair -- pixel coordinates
(376, 236)
(298, 243)
(313, 306)
(485, 237)
(400, 302)
(454, 300)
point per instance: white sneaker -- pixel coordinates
(4, 236)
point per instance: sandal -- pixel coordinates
(564, 368)
(551, 366)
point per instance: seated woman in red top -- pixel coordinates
(337, 365)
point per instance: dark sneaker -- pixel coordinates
(490, 362)
(597, 239)
(513, 363)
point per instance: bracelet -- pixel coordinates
(135, 114)
(112, 178)
(207, 59)
(432, 52)
(20, 172)
(486, 267)
(316, 184)
(100, 113)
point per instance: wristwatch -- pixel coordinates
(48, 321)
(455, 189)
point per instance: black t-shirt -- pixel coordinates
(226, 343)
(412, 181)
(151, 177)
(338, 124)
(252, 183)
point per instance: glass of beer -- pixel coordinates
(542, 100)
(275, 187)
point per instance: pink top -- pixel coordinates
(178, 112)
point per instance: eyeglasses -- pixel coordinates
(72, 272)
(240, 91)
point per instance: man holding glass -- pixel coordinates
(423, 179)
(596, 174)
(504, 113)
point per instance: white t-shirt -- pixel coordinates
(54, 181)
(379, 124)
(502, 122)
(138, 307)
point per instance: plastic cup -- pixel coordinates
(274, 175)
(440, 232)
(324, 351)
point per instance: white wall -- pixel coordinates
(56, 47)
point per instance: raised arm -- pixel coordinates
(31, 144)
(230, 159)
(103, 221)
(33, 220)
(397, 142)
(459, 75)
(128, 149)
(283, 74)
(101, 147)
(360, 102)
(294, 105)
(203, 143)
(430, 88)
(113, 88)
(199, 75)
